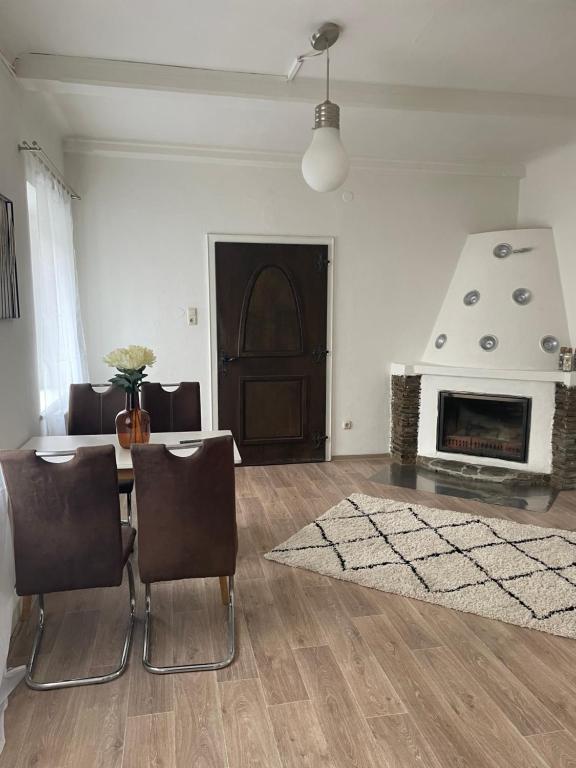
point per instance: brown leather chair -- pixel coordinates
(67, 535)
(186, 526)
(172, 411)
(94, 413)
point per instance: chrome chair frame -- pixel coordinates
(74, 682)
(128, 520)
(199, 667)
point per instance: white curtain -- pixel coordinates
(59, 336)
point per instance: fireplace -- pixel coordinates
(495, 426)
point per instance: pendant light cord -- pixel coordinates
(327, 74)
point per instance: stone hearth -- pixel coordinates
(482, 473)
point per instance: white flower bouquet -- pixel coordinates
(130, 362)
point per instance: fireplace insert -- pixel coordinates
(497, 426)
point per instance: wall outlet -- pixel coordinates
(347, 424)
(192, 315)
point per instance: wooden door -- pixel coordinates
(272, 324)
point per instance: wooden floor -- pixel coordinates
(328, 673)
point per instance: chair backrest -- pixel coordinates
(186, 511)
(172, 411)
(66, 519)
(91, 412)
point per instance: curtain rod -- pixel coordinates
(33, 146)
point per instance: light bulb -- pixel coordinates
(325, 163)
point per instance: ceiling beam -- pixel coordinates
(73, 73)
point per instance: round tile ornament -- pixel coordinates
(549, 344)
(440, 341)
(471, 298)
(502, 250)
(488, 342)
(522, 296)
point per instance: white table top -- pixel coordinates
(123, 456)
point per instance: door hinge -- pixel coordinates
(319, 354)
(318, 439)
(322, 262)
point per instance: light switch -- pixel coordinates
(192, 316)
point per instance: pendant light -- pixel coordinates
(325, 163)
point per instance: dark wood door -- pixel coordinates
(271, 308)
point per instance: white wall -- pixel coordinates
(140, 235)
(548, 199)
(22, 116)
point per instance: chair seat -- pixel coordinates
(128, 536)
(125, 486)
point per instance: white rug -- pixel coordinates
(521, 574)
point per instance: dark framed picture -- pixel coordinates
(9, 299)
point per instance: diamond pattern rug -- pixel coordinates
(521, 574)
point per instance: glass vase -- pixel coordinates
(132, 424)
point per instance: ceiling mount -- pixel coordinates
(325, 36)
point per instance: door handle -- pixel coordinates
(224, 360)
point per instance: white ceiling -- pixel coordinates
(522, 46)
(507, 45)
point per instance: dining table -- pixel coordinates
(58, 447)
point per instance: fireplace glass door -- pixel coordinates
(497, 426)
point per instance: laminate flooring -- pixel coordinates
(328, 674)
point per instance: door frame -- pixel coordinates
(211, 240)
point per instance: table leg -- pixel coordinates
(26, 608)
(224, 590)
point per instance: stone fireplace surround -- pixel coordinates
(552, 447)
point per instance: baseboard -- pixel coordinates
(359, 456)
